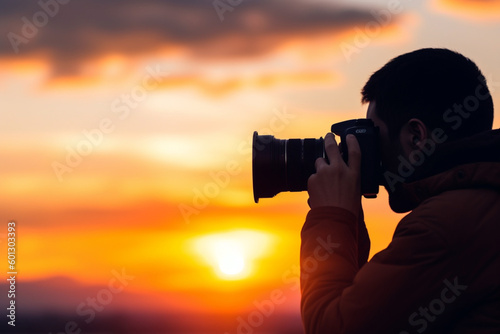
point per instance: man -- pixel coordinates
(441, 161)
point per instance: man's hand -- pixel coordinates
(337, 184)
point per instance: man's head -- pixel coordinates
(424, 92)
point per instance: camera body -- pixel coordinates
(285, 165)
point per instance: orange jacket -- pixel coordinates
(440, 273)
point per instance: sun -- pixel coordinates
(229, 256)
(232, 254)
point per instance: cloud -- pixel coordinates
(80, 32)
(230, 84)
(484, 11)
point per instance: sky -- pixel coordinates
(125, 146)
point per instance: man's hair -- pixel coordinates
(430, 84)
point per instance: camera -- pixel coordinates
(285, 164)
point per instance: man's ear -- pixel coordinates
(413, 135)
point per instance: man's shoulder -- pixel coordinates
(458, 227)
(458, 215)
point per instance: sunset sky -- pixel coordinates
(125, 141)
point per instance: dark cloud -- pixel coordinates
(79, 31)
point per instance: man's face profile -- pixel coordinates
(389, 150)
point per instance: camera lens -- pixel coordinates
(283, 165)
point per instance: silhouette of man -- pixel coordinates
(441, 161)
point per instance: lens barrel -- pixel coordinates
(283, 165)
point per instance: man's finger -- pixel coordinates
(332, 149)
(354, 152)
(320, 162)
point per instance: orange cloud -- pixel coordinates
(476, 10)
(221, 86)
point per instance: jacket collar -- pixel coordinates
(472, 162)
